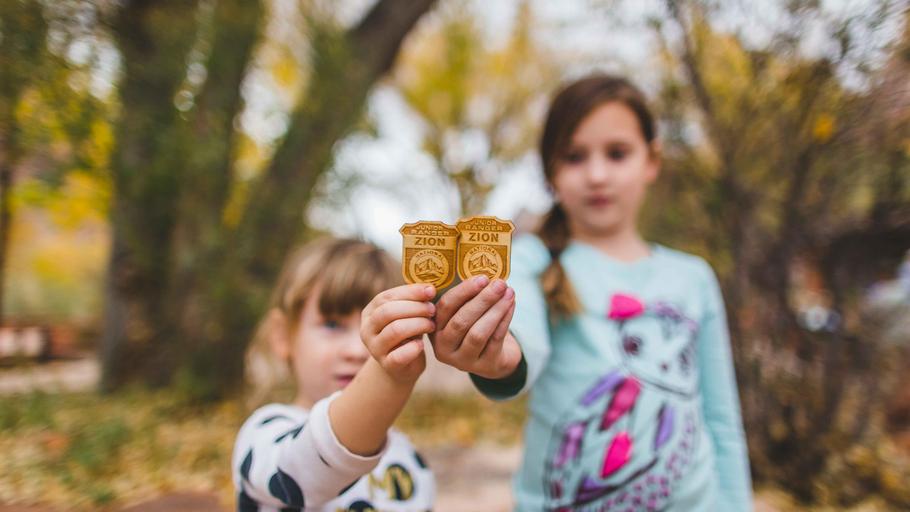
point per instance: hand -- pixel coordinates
(472, 328)
(392, 326)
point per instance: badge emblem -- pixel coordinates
(428, 255)
(484, 247)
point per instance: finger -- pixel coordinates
(452, 300)
(459, 325)
(401, 330)
(480, 333)
(405, 354)
(416, 292)
(494, 346)
(388, 312)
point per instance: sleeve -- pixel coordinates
(720, 401)
(530, 324)
(423, 481)
(283, 463)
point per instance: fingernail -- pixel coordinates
(481, 280)
(509, 293)
(432, 309)
(499, 285)
(430, 291)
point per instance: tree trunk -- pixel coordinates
(345, 67)
(184, 288)
(6, 221)
(22, 53)
(154, 38)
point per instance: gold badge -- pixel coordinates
(429, 253)
(484, 247)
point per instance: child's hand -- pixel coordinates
(392, 328)
(472, 328)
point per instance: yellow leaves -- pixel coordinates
(59, 246)
(141, 444)
(249, 161)
(96, 148)
(457, 78)
(432, 419)
(285, 70)
(823, 128)
(436, 69)
(118, 448)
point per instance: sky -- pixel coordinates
(381, 182)
(397, 181)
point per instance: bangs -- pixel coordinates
(352, 275)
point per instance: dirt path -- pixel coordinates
(56, 376)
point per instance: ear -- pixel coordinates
(655, 158)
(279, 335)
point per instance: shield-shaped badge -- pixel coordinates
(484, 247)
(429, 253)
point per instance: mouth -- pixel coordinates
(344, 379)
(599, 201)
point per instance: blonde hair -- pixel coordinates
(346, 273)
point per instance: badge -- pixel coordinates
(429, 253)
(484, 247)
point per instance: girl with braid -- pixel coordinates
(622, 343)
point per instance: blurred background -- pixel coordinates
(159, 158)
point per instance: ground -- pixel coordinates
(65, 447)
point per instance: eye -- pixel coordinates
(331, 323)
(616, 154)
(632, 345)
(575, 156)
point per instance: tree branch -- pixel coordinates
(345, 67)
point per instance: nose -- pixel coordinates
(598, 170)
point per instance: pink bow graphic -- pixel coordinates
(623, 307)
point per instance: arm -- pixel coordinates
(476, 333)
(367, 408)
(392, 328)
(720, 402)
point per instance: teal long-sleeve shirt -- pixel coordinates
(633, 402)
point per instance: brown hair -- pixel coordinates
(346, 273)
(569, 107)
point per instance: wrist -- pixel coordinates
(504, 387)
(501, 373)
(398, 380)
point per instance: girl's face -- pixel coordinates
(601, 179)
(325, 353)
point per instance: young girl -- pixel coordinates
(332, 448)
(623, 343)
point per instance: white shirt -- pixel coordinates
(287, 458)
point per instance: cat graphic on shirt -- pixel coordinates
(590, 464)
